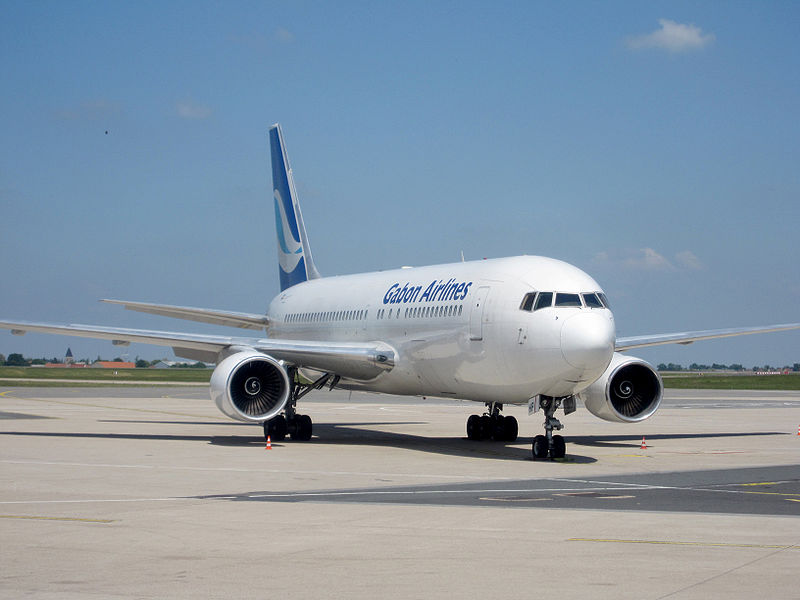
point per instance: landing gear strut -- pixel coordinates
(299, 427)
(492, 425)
(549, 444)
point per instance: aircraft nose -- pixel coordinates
(587, 340)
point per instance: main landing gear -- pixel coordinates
(492, 425)
(551, 445)
(298, 427)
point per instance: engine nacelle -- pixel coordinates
(250, 386)
(629, 391)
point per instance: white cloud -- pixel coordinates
(639, 259)
(672, 37)
(647, 259)
(99, 108)
(284, 36)
(688, 260)
(191, 110)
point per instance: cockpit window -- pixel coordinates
(544, 300)
(592, 301)
(527, 302)
(563, 299)
(603, 299)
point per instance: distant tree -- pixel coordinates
(117, 359)
(795, 368)
(719, 367)
(736, 367)
(39, 361)
(661, 367)
(16, 360)
(2, 359)
(197, 365)
(142, 364)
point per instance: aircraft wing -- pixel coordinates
(349, 360)
(204, 315)
(687, 337)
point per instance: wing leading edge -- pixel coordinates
(361, 361)
(688, 337)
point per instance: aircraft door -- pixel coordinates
(476, 316)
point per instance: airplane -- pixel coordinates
(523, 330)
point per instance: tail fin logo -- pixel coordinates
(290, 250)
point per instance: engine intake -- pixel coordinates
(629, 391)
(250, 386)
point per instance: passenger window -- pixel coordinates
(527, 301)
(563, 299)
(544, 300)
(592, 301)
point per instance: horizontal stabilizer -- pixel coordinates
(203, 315)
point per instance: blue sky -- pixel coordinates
(654, 145)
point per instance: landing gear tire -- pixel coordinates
(473, 427)
(276, 428)
(559, 447)
(540, 448)
(505, 429)
(511, 428)
(301, 428)
(485, 427)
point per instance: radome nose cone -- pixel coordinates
(587, 340)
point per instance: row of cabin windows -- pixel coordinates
(335, 315)
(422, 312)
(539, 300)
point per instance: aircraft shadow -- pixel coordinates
(356, 434)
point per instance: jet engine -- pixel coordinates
(250, 386)
(629, 391)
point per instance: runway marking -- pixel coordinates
(597, 495)
(679, 543)
(76, 519)
(407, 493)
(516, 499)
(762, 483)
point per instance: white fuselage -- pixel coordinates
(458, 329)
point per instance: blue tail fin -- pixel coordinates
(294, 253)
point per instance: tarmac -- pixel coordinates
(151, 493)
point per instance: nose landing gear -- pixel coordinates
(551, 445)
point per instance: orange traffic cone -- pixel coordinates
(644, 444)
(269, 443)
